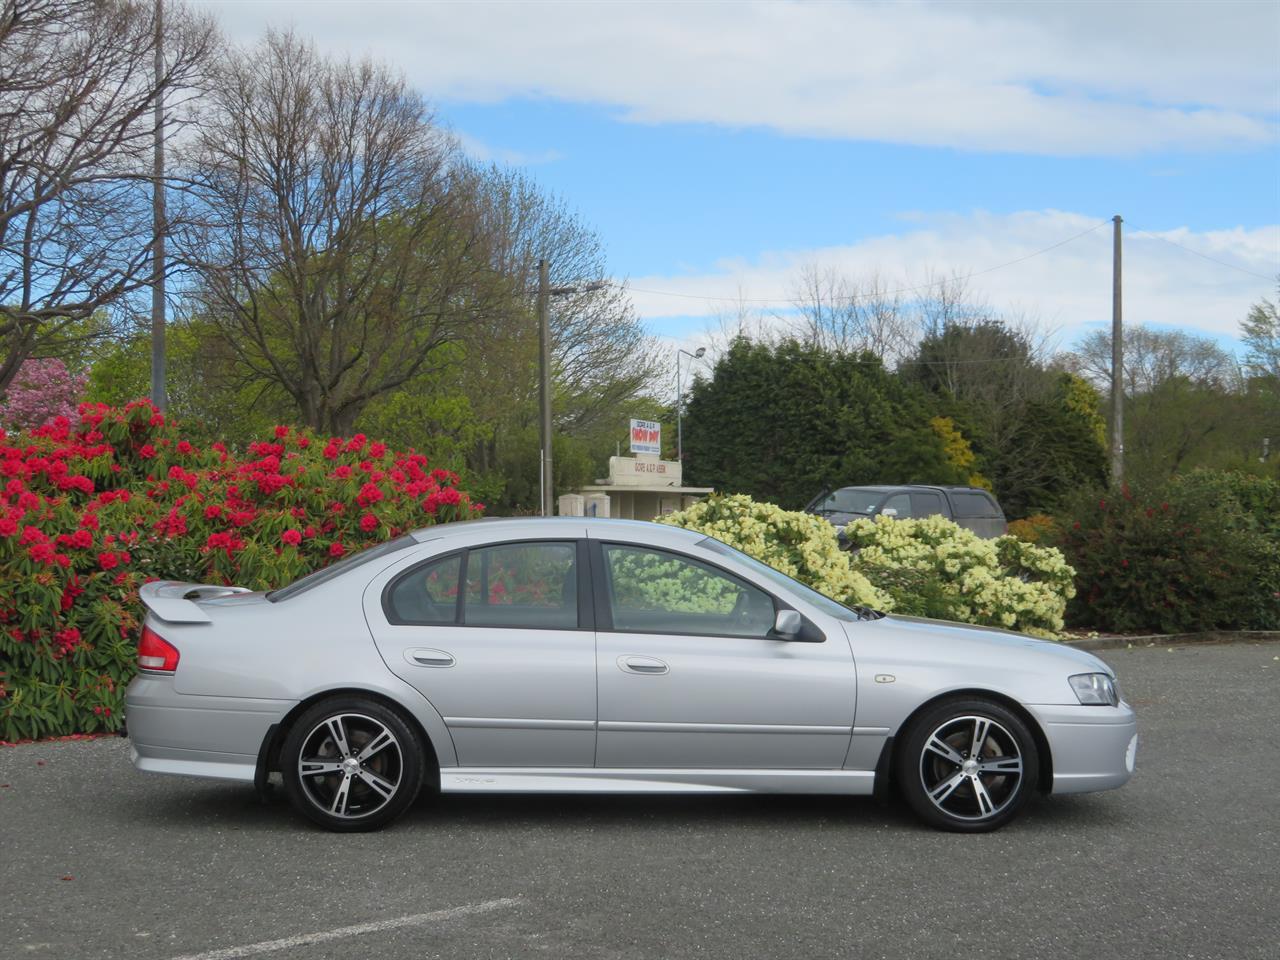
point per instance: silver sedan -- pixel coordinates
(568, 655)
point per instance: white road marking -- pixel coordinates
(306, 939)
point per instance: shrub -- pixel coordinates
(90, 511)
(1181, 557)
(928, 567)
(933, 567)
(1037, 528)
(42, 391)
(798, 544)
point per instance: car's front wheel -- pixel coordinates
(967, 765)
(351, 764)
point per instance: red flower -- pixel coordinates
(147, 451)
(108, 560)
(43, 553)
(291, 537)
(369, 493)
(377, 449)
(8, 528)
(356, 443)
(342, 472)
(281, 432)
(368, 523)
(212, 512)
(185, 447)
(336, 549)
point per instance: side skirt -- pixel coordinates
(625, 780)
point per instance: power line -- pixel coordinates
(1205, 256)
(874, 294)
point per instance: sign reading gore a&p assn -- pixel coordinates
(646, 436)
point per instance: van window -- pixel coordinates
(926, 504)
(971, 505)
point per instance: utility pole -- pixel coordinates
(1117, 364)
(544, 387)
(159, 396)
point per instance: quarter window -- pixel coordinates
(427, 594)
(523, 585)
(652, 591)
(925, 504)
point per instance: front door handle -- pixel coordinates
(647, 666)
(429, 658)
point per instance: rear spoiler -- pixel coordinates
(175, 601)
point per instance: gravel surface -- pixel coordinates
(101, 861)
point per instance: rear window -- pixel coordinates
(974, 506)
(346, 564)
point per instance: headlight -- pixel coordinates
(1095, 689)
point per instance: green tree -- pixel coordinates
(783, 423)
(1260, 333)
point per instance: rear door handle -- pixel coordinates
(648, 666)
(429, 658)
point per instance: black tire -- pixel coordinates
(952, 790)
(330, 780)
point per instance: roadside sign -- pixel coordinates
(646, 436)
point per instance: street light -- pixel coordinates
(696, 355)
(545, 492)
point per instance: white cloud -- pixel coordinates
(1055, 78)
(1067, 288)
(486, 153)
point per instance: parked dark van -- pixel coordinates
(970, 507)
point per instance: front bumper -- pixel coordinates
(1093, 748)
(196, 736)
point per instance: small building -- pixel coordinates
(638, 488)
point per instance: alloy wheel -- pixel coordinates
(350, 765)
(971, 768)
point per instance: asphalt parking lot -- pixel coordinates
(1184, 862)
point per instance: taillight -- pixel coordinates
(156, 653)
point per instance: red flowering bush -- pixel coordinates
(42, 390)
(1180, 558)
(91, 510)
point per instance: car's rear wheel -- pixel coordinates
(968, 765)
(351, 763)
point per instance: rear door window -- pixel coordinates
(427, 594)
(530, 585)
(926, 504)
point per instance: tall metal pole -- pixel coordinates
(679, 412)
(1117, 364)
(544, 388)
(159, 395)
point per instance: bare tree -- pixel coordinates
(339, 247)
(845, 315)
(77, 93)
(1154, 357)
(601, 354)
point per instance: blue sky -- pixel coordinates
(720, 148)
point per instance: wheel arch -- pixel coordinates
(269, 752)
(891, 754)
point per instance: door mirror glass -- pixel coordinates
(787, 623)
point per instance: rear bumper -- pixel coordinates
(1093, 748)
(195, 736)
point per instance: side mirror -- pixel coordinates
(787, 623)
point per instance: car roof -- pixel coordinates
(502, 527)
(882, 488)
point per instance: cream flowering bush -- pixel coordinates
(800, 545)
(933, 567)
(928, 567)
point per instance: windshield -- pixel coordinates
(317, 577)
(851, 500)
(824, 603)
